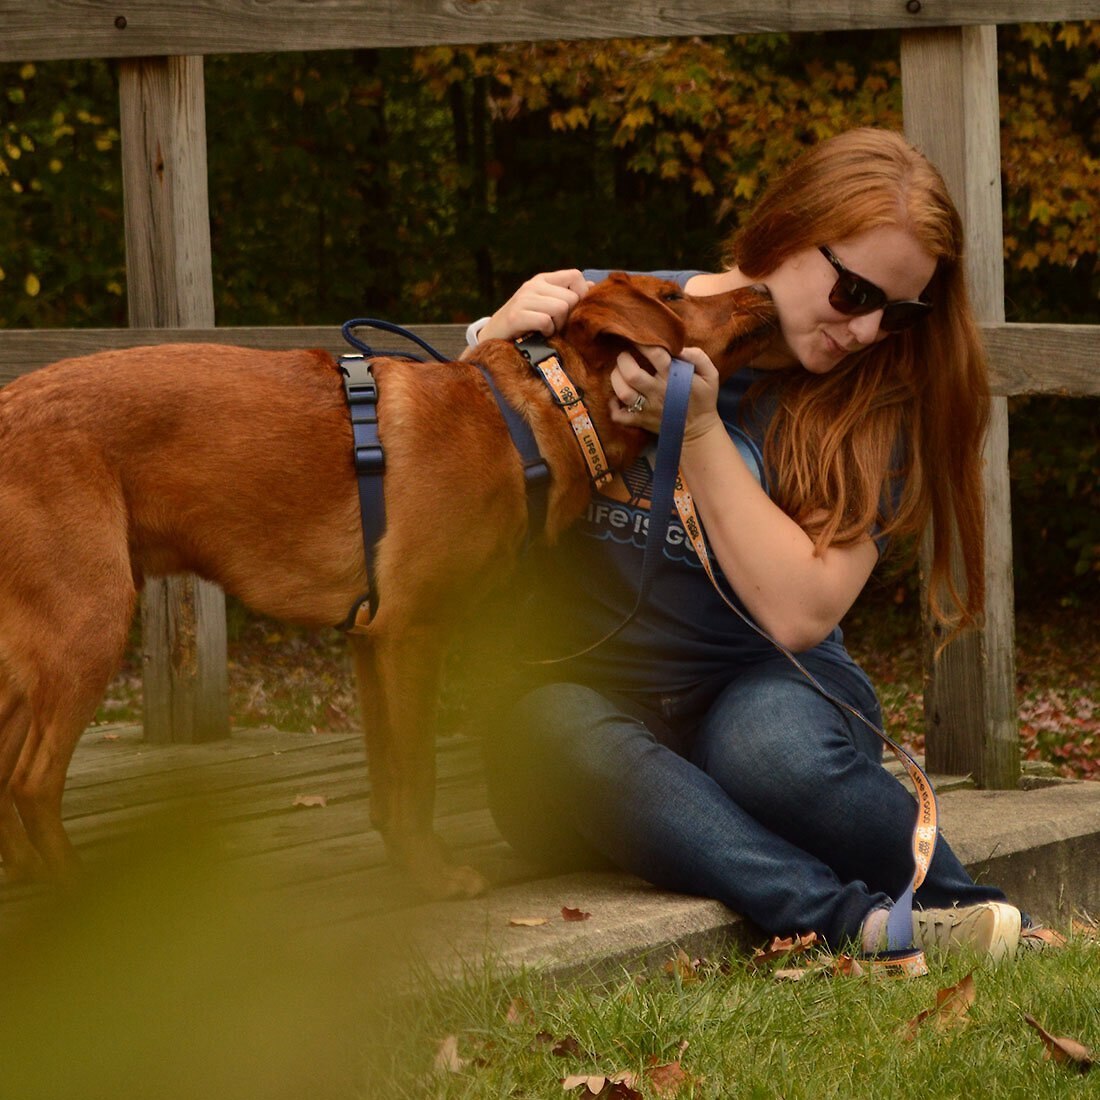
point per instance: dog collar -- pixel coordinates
(546, 362)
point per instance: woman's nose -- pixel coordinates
(866, 328)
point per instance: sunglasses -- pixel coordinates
(854, 296)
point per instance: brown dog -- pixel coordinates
(235, 464)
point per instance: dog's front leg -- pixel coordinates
(373, 716)
(407, 672)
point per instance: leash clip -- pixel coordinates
(537, 351)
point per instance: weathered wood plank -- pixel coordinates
(45, 29)
(170, 284)
(950, 107)
(24, 350)
(110, 754)
(1053, 359)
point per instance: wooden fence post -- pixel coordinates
(170, 285)
(951, 111)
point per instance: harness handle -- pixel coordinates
(347, 331)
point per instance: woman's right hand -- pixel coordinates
(541, 304)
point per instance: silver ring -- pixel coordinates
(638, 406)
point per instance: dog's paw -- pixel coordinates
(464, 882)
(446, 881)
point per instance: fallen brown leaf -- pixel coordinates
(1085, 926)
(950, 1010)
(527, 922)
(845, 966)
(567, 1048)
(310, 800)
(668, 1080)
(519, 1012)
(618, 1086)
(573, 914)
(1042, 937)
(542, 1039)
(683, 966)
(1061, 1048)
(794, 973)
(780, 947)
(446, 1057)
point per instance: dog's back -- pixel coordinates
(226, 462)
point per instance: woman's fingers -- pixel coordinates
(541, 304)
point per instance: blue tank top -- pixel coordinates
(684, 634)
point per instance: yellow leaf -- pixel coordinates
(1070, 35)
(31, 285)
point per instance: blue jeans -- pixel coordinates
(757, 792)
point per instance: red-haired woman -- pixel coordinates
(687, 749)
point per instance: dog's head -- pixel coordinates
(625, 311)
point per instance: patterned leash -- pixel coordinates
(901, 958)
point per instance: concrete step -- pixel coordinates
(1041, 846)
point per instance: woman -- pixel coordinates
(687, 749)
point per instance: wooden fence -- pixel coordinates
(950, 106)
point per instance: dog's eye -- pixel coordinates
(672, 296)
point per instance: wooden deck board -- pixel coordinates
(327, 863)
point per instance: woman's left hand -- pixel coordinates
(639, 394)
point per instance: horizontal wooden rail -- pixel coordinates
(1052, 359)
(35, 30)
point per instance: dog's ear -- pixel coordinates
(628, 309)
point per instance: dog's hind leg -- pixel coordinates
(408, 662)
(71, 670)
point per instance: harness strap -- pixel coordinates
(547, 364)
(536, 473)
(361, 391)
(900, 955)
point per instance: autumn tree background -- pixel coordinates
(425, 185)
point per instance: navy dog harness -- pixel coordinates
(361, 391)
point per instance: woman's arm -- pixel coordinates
(795, 595)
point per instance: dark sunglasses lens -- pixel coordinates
(853, 295)
(899, 315)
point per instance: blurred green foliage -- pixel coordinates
(425, 185)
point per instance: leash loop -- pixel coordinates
(347, 330)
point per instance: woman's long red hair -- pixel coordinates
(913, 407)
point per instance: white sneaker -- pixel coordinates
(991, 928)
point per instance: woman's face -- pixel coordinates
(818, 336)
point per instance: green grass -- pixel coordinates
(172, 975)
(740, 1033)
